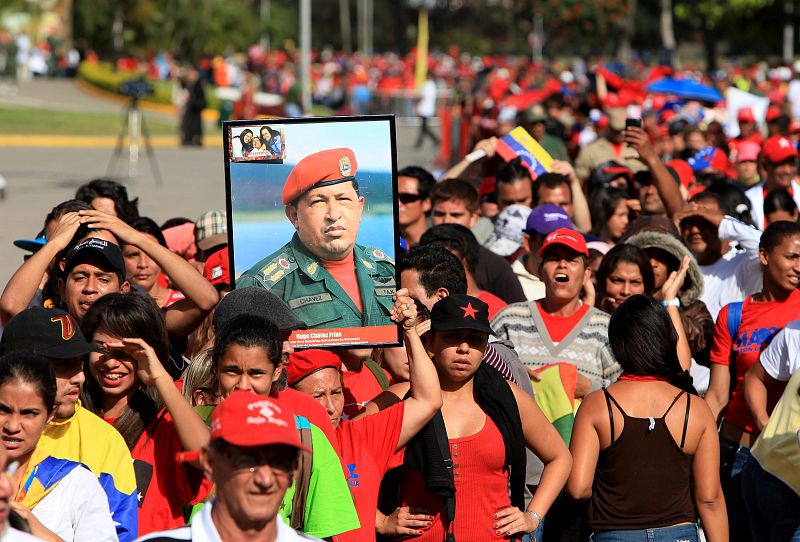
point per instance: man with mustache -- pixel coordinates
(327, 279)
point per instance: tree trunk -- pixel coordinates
(667, 31)
(710, 44)
(625, 50)
(344, 21)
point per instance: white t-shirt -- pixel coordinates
(13, 535)
(794, 97)
(77, 509)
(756, 197)
(782, 357)
(738, 273)
(427, 103)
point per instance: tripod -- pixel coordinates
(134, 127)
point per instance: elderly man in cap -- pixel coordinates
(324, 276)
(252, 457)
(75, 433)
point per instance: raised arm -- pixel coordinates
(426, 394)
(543, 440)
(668, 189)
(487, 146)
(23, 285)
(670, 291)
(192, 431)
(184, 316)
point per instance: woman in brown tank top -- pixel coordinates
(645, 451)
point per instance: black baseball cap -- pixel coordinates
(256, 301)
(460, 311)
(51, 333)
(94, 246)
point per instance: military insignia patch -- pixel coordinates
(345, 167)
(269, 269)
(366, 263)
(378, 253)
(283, 262)
(277, 276)
(312, 268)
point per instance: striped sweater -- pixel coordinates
(586, 346)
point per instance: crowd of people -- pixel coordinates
(606, 349)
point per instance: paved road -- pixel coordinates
(194, 180)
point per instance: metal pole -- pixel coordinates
(788, 31)
(305, 54)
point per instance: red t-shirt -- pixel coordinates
(366, 447)
(344, 273)
(306, 406)
(360, 387)
(494, 302)
(481, 478)
(759, 324)
(559, 326)
(164, 484)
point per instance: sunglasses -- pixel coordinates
(406, 198)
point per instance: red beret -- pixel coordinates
(216, 270)
(305, 362)
(322, 168)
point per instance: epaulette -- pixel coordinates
(276, 269)
(378, 255)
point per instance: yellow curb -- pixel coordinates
(210, 115)
(160, 142)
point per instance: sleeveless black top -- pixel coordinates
(643, 479)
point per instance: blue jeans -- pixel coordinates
(733, 457)
(676, 533)
(535, 536)
(772, 506)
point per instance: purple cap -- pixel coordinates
(547, 218)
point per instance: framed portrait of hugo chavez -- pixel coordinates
(314, 221)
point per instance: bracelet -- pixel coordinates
(671, 302)
(535, 516)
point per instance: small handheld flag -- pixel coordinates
(519, 143)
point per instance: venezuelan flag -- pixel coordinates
(555, 395)
(519, 143)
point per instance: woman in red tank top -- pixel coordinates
(477, 432)
(645, 451)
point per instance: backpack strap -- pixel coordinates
(302, 477)
(378, 373)
(734, 318)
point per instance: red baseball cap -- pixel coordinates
(247, 419)
(323, 168)
(306, 362)
(746, 151)
(773, 112)
(216, 270)
(794, 126)
(777, 149)
(745, 114)
(568, 238)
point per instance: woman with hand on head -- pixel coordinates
(624, 271)
(128, 385)
(483, 427)
(645, 450)
(367, 443)
(60, 499)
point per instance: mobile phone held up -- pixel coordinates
(633, 123)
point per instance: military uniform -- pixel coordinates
(294, 274)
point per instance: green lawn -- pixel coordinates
(23, 121)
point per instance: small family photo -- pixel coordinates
(319, 230)
(256, 142)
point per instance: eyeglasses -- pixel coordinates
(406, 198)
(282, 466)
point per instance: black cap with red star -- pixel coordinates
(460, 311)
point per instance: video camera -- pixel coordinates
(136, 89)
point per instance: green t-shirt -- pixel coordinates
(329, 503)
